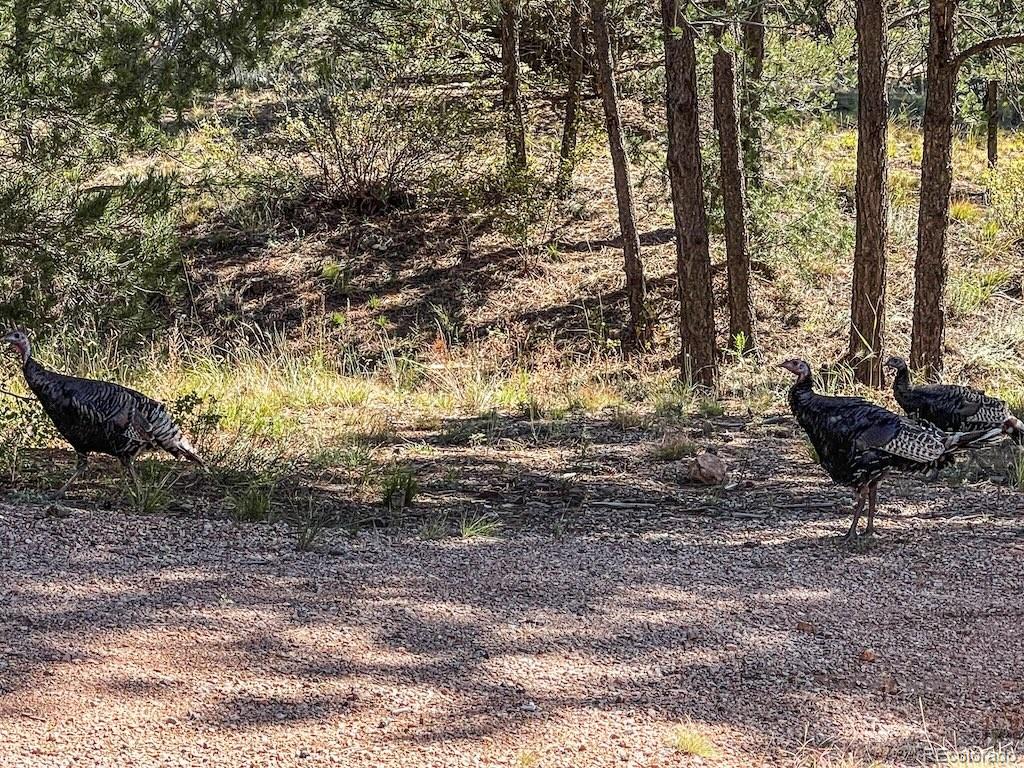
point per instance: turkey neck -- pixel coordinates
(901, 383)
(35, 375)
(800, 393)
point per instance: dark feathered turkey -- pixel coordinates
(951, 407)
(858, 442)
(101, 417)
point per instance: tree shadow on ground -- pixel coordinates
(358, 270)
(759, 625)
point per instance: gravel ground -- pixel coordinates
(163, 641)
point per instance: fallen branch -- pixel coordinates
(18, 397)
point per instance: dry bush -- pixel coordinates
(381, 144)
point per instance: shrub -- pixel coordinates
(22, 425)
(374, 145)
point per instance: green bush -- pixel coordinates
(79, 257)
(22, 425)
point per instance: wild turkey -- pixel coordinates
(858, 442)
(101, 417)
(951, 407)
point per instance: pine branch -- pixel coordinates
(908, 16)
(988, 44)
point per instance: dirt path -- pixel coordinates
(160, 641)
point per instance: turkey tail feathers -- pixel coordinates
(977, 438)
(168, 435)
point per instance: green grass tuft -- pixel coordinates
(964, 211)
(398, 487)
(153, 492)
(479, 526)
(434, 528)
(253, 502)
(1015, 471)
(970, 293)
(710, 408)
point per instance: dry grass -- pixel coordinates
(673, 447)
(687, 739)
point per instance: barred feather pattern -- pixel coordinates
(858, 442)
(103, 417)
(954, 408)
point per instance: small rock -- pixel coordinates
(867, 655)
(528, 706)
(805, 626)
(57, 511)
(708, 469)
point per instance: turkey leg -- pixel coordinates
(872, 505)
(858, 508)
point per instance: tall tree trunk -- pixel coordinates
(867, 327)
(570, 126)
(936, 180)
(750, 104)
(698, 357)
(511, 97)
(640, 331)
(992, 120)
(741, 318)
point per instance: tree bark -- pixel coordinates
(741, 317)
(698, 357)
(570, 126)
(936, 179)
(511, 97)
(928, 334)
(992, 120)
(640, 331)
(867, 327)
(750, 103)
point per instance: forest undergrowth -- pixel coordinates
(327, 340)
